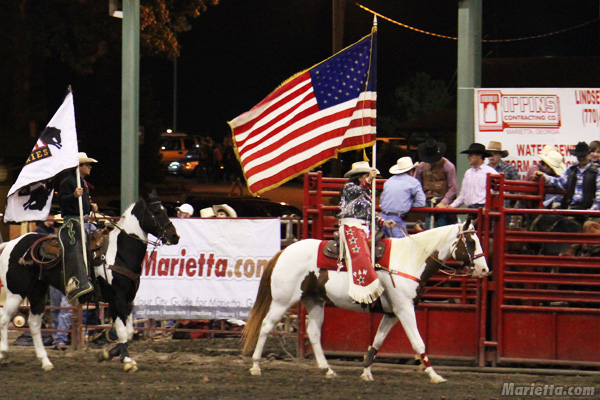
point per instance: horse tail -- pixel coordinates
(260, 308)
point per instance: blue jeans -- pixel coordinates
(61, 319)
(398, 230)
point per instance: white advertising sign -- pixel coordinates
(524, 120)
(213, 273)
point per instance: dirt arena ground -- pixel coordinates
(214, 369)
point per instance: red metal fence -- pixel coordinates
(535, 308)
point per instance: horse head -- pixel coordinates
(468, 251)
(153, 219)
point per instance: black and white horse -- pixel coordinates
(117, 277)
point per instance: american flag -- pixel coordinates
(314, 115)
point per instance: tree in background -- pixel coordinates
(50, 44)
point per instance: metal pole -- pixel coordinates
(468, 77)
(175, 92)
(130, 103)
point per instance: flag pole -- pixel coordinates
(83, 235)
(80, 203)
(374, 182)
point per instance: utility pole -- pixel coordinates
(468, 77)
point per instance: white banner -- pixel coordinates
(213, 273)
(524, 120)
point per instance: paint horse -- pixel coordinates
(117, 277)
(293, 275)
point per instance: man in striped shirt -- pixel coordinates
(472, 192)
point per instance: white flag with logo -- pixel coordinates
(30, 198)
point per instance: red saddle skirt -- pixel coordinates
(329, 263)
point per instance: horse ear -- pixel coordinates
(468, 222)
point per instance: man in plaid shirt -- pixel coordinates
(581, 181)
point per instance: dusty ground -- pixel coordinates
(214, 369)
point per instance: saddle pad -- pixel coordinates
(331, 264)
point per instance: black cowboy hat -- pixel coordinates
(431, 151)
(581, 149)
(477, 148)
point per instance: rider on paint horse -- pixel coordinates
(355, 221)
(76, 282)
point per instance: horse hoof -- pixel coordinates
(367, 378)
(255, 371)
(130, 367)
(103, 355)
(437, 379)
(330, 374)
(49, 367)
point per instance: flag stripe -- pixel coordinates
(305, 130)
(310, 118)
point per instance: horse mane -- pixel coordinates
(415, 249)
(260, 308)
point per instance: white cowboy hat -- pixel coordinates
(84, 159)
(497, 146)
(361, 167)
(226, 209)
(186, 208)
(547, 149)
(403, 164)
(555, 161)
(207, 213)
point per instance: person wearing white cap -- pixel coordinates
(185, 211)
(401, 193)
(355, 221)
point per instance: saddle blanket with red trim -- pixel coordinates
(331, 264)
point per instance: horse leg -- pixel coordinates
(387, 323)
(120, 349)
(274, 315)
(35, 326)
(407, 317)
(11, 305)
(316, 313)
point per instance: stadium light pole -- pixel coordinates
(468, 77)
(130, 89)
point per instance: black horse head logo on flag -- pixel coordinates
(38, 193)
(51, 136)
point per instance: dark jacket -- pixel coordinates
(588, 186)
(69, 205)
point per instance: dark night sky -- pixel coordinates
(239, 51)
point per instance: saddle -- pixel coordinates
(332, 247)
(46, 251)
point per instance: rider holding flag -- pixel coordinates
(355, 221)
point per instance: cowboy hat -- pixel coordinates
(555, 161)
(186, 208)
(226, 209)
(547, 149)
(84, 159)
(497, 147)
(476, 148)
(207, 213)
(403, 164)
(581, 149)
(431, 151)
(360, 167)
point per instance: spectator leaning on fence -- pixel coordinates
(437, 175)
(473, 190)
(581, 181)
(552, 165)
(530, 175)
(495, 161)
(400, 193)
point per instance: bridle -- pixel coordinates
(461, 237)
(162, 230)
